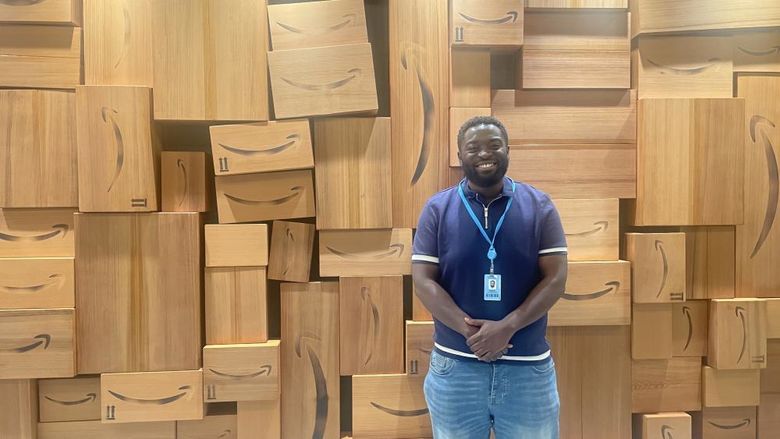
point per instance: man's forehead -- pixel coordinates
(484, 128)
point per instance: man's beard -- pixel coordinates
(489, 180)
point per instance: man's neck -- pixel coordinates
(488, 193)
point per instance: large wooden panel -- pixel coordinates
(690, 328)
(419, 344)
(118, 42)
(756, 50)
(36, 232)
(261, 197)
(40, 56)
(657, 266)
(352, 173)
(666, 385)
(210, 59)
(18, 409)
(241, 372)
(75, 399)
(730, 388)
(98, 430)
(648, 16)
(709, 261)
(690, 158)
(37, 344)
(292, 246)
(212, 426)
(62, 12)
(236, 245)
(118, 153)
(758, 243)
(371, 339)
(316, 24)
(469, 77)
(365, 252)
(597, 293)
(186, 181)
(770, 376)
(151, 396)
(259, 419)
(772, 318)
(138, 292)
(310, 360)
(576, 49)
(769, 415)
(651, 331)
(591, 228)
(737, 334)
(389, 404)
(725, 423)
(498, 23)
(38, 149)
(30, 283)
(419, 108)
(236, 305)
(611, 4)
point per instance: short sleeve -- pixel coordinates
(553, 240)
(425, 248)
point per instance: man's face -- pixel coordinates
(484, 155)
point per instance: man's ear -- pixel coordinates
(460, 160)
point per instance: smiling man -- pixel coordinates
(489, 261)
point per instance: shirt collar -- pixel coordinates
(506, 191)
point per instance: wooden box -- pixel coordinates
(591, 228)
(770, 376)
(650, 16)
(118, 42)
(186, 182)
(772, 318)
(216, 426)
(666, 385)
(592, 4)
(18, 409)
(419, 344)
(261, 147)
(671, 425)
(151, 396)
(755, 50)
(737, 334)
(352, 173)
(419, 311)
(241, 372)
(36, 232)
(236, 305)
(261, 197)
(75, 399)
(317, 24)
(118, 153)
(236, 245)
(576, 49)
(470, 77)
(259, 419)
(498, 23)
(381, 252)
(709, 262)
(38, 148)
(371, 328)
(651, 331)
(690, 324)
(690, 159)
(292, 246)
(138, 292)
(730, 388)
(310, 360)
(35, 283)
(323, 81)
(769, 415)
(459, 116)
(38, 344)
(597, 293)
(210, 60)
(40, 56)
(98, 430)
(389, 404)
(60, 12)
(657, 266)
(725, 423)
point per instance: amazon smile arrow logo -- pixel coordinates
(428, 111)
(59, 229)
(687, 312)
(401, 413)
(320, 385)
(348, 18)
(365, 294)
(600, 226)
(54, 279)
(659, 247)
(684, 70)
(509, 17)
(157, 401)
(353, 74)
(43, 339)
(90, 397)
(393, 250)
(107, 114)
(745, 422)
(740, 312)
(770, 51)
(296, 192)
(291, 139)
(773, 179)
(666, 432)
(611, 286)
(264, 370)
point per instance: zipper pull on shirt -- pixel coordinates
(486, 217)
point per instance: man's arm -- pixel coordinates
(437, 300)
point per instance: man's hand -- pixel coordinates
(491, 341)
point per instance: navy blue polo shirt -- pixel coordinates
(447, 236)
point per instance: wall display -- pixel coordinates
(730, 388)
(469, 78)
(236, 305)
(709, 262)
(37, 343)
(292, 245)
(210, 426)
(597, 293)
(382, 403)
(186, 181)
(98, 430)
(37, 283)
(40, 56)
(378, 252)
(36, 232)
(151, 396)
(74, 399)
(725, 423)
(260, 197)
(241, 372)
(756, 50)
(496, 24)
(61, 12)
(651, 331)
(258, 419)
(737, 334)
(666, 385)
(591, 228)
(690, 328)
(657, 266)
(236, 245)
(316, 24)
(654, 425)
(19, 413)
(650, 16)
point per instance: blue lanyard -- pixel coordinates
(491, 254)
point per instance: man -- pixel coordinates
(489, 261)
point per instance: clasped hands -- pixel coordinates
(488, 339)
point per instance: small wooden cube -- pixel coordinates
(725, 423)
(59, 12)
(657, 266)
(730, 388)
(458, 116)
(383, 403)
(236, 305)
(35, 56)
(216, 426)
(674, 425)
(737, 334)
(18, 409)
(30, 283)
(710, 262)
(419, 345)
(651, 331)
(36, 232)
(292, 245)
(151, 396)
(265, 196)
(241, 372)
(315, 24)
(186, 181)
(498, 23)
(236, 245)
(591, 228)
(380, 252)
(597, 293)
(470, 77)
(38, 343)
(76, 399)
(666, 385)
(98, 430)
(690, 325)
(769, 415)
(259, 419)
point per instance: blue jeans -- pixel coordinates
(468, 398)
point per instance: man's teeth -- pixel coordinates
(485, 165)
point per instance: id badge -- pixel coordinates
(493, 287)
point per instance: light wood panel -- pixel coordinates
(138, 292)
(98, 430)
(674, 425)
(371, 338)
(419, 344)
(352, 173)
(755, 50)
(757, 242)
(310, 360)
(591, 228)
(241, 372)
(212, 426)
(323, 81)
(469, 77)
(316, 24)
(617, 4)
(236, 305)
(499, 23)
(210, 60)
(651, 331)
(666, 385)
(18, 409)
(772, 318)
(389, 403)
(62, 12)
(236, 245)
(261, 197)
(419, 311)
(725, 423)
(566, 344)
(459, 116)
(649, 16)
(709, 262)
(38, 149)
(770, 376)
(151, 396)
(381, 252)
(259, 419)
(40, 56)
(597, 293)
(75, 399)
(186, 182)
(292, 245)
(737, 334)
(769, 415)
(261, 147)
(118, 153)
(690, 327)
(657, 266)
(37, 344)
(30, 283)
(690, 159)
(118, 42)
(419, 104)
(36, 232)
(730, 388)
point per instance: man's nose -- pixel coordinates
(484, 153)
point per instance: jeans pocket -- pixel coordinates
(544, 367)
(441, 365)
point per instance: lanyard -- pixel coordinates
(491, 254)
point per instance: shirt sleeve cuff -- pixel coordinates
(425, 258)
(554, 250)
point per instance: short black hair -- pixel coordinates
(481, 120)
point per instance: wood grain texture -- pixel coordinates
(772, 318)
(656, 425)
(61, 12)
(690, 326)
(666, 385)
(211, 426)
(470, 77)
(37, 343)
(459, 116)
(236, 245)
(591, 228)
(186, 181)
(419, 104)
(593, 4)
(770, 375)
(419, 344)
(576, 49)
(725, 423)
(757, 240)
(241, 372)
(352, 173)
(40, 56)
(236, 305)
(292, 246)
(139, 292)
(36, 232)
(419, 311)
(38, 149)
(261, 147)
(118, 42)
(499, 23)
(651, 331)
(658, 271)
(259, 419)
(98, 430)
(709, 262)
(310, 360)
(597, 293)
(18, 409)
(151, 396)
(118, 152)
(377, 401)
(768, 414)
(737, 334)
(380, 252)
(36, 283)
(730, 388)
(317, 24)
(210, 60)
(75, 399)
(648, 16)
(261, 197)
(755, 50)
